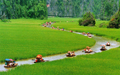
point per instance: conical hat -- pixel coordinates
(39, 56)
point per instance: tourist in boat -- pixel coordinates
(50, 22)
(83, 33)
(69, 53)
(88, 49)
(103, 47)
(73, 53)
(88, 33)
(71, 31)
(10, 63)
(39, 58)
(62, 29)
(108, 44)
(47, 23)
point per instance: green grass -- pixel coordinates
(105, 63)
(25, 38)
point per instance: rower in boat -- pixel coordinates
(39, 59)
(83, 33)
(50, 22)
(71, 31)
(103, 47)
(9, 63)
(88, 50)
(108, 44)
(70, 54)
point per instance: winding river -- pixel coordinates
(96, 48)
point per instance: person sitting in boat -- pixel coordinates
(83, 33)
(108, 44)
(10, 63)
(88, 49)
(39, 58)
(69, 53)
(71, 31)
(62, 29)
(43, 24)
(50, 22)
(73, 53)
(47, 23)
(103, 47)
(88, 33)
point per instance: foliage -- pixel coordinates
(103, 9)
(115, 21)
(25, 8)
(87, 20)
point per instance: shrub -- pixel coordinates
(115, 21)
(87, 20)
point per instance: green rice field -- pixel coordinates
(25, 38)
(104, 63)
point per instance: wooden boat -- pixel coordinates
(103, 49)
(83, 33)
(107, 44)
(39, 61)
(69, 55)
(71, 31)
(88, 51)
(10, 66)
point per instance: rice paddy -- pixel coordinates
(26, 38)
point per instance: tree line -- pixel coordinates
(102, 9)
(24, 8)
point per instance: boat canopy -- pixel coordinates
(8, 59)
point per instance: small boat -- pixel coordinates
(71, 31)
(39, 59)
(108, 44)
(103, 49)
(83, 33)
(69, 55)
(10, 63)
(88, 51)
(44, 25)
(8, 66)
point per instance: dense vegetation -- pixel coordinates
(23, 8)
(102, 9)
(115, 21)
(25, 38)
(87, 20)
